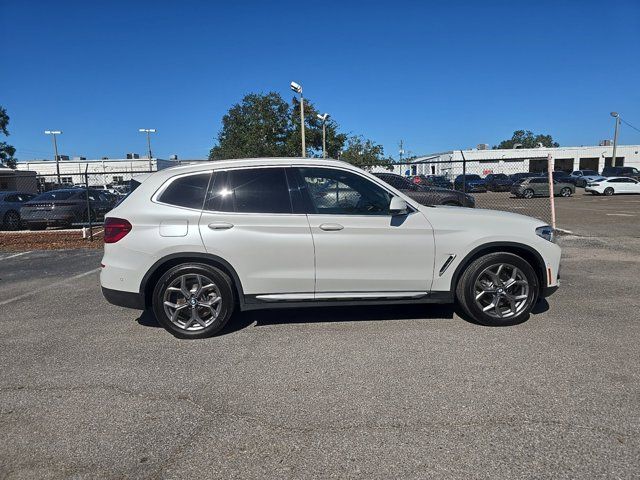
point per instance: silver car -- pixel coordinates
(10, 203)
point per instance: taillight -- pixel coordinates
(115, 229)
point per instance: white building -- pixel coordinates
(483, 160)
(100, 171)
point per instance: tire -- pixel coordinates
(608, 191)
(528, 193)
(514, 301)
(565, 192)
(12, 220)
(211, 316)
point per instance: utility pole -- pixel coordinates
(615, 115)
(324, 118)
(148, 131)
(53, 133)
(296, 87)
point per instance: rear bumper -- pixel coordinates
(124, 299)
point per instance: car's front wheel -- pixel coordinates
(565, 192)
(193, 300)
(498, 289)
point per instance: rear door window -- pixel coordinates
(251, 190)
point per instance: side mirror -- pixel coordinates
(398, 206)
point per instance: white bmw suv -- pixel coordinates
(195, 243)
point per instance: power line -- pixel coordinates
(628, 124)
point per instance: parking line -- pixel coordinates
(51, 285)
(620, 215)
(14, 255)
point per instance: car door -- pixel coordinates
(540, 185)
(361, 250)
(248, 221)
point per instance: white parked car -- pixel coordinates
(195, 243)
(613, 185)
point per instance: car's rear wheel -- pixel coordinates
(528, 193)
(193, 300)
(565, 192)
(12, 220)
(498, 289)
(608, 191)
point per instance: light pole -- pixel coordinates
(615, 115)
(55, 149)
(296, 87)
(324, 118)
(148, 131)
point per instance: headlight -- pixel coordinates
(546, 232)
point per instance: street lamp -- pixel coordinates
(148, 131)
(296, 87)
(55, 149)
(615, 115)
(323, 118)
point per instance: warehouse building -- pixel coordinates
(104, 171)
(483, 160)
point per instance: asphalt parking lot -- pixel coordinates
(89, 390)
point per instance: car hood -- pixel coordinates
(480, 219)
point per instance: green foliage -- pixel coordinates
(264, 125)
(6, 150)
(527, 140)
(364, 153)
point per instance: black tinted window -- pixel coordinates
(344, 193)
(538, 180)
(260, 190)
(187, 191)
(255, 190)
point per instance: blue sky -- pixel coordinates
(439, 75)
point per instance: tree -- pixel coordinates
(258, 126)
(527, 139)
(6, 151)
(362, 152)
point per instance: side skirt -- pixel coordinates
(253, 302)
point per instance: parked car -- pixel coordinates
(432, 181)
(539, 187)
(64, 207)
(498, 182)
(194, 243)
(425, 195)
(632, 172)
(10, 203)
(580, 178)
(613, 185)
(473, 183)
(518, 177)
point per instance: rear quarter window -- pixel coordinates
(187, 191)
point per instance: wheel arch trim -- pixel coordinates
(494, 247)
(184, 257)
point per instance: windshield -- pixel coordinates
(56, 195)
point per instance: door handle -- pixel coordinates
(331, 227)
(220, 226)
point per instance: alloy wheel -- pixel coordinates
(501, 290)
(192, 302)
(528, 193)
(565, 192)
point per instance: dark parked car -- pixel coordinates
(64, 207)
(539, 187)
(498, 182)
(472, 183)
(631, 172)
(518, 177)
(427, 195)
(432, 181)
(10, 203)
